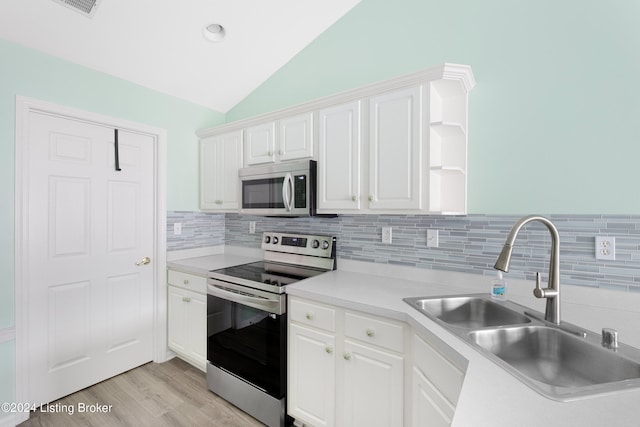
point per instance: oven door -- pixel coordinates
(246, 335)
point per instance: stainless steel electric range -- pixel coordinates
(247, 322)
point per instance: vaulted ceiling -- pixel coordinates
(159, 44)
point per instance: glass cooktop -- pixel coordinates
(273, 273)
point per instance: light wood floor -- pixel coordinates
(156, 395)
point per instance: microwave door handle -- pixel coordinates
(287, 185)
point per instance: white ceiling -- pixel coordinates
(159, 44)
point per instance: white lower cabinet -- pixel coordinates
(187, 317)
(312, 381)
(345, 368)
(436, 384)
(373, 387)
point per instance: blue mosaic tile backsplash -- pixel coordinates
(468, 244)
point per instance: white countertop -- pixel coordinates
(490, 396)
(200, 266)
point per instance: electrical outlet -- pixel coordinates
(177, 228)
(386, 235)
(432, 238)
(606, 248)
(252, 227)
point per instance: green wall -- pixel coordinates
(29, 73)
(553, 118)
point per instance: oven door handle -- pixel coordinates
(287, 192)
(256, 301)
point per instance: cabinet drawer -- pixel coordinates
(187, 281)
(444, 375)
(312, 314)
(383, 333)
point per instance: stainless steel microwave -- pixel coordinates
(282, 189)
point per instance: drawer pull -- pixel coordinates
(309, 316)
(371, 332)
(185, 281)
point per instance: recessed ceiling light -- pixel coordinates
(213, 32)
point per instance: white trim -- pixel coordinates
(25, 105)
(7, 334)
(445, 71)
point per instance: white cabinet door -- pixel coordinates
(259, 144)
(176, 320)
(429, 408)
(196, 320)
(220, 159)
(339, 157)
(373, 387)
(311, 376)
(395, 132)
(296, 137)
(187, 323)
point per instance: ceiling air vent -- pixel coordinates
(85, 7)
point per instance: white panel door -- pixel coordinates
(90, 307)
(339, 158)
(220, 159)
(311, 376)
(373, 387)
(296, 137)
(395, 178)
(259, 144)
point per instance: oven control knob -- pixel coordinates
(275, 240)
(315, 244)
(325, 244)
(267, 239)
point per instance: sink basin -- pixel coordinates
(556, 358)
(562, 362)
(471, 312)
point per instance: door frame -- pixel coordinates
(24, 106)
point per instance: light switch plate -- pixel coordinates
(177, 228)
(386, 235)
(432, 238)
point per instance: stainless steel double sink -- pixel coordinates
(562, 362)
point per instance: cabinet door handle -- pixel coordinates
(328, 349)
(346, 356)
(354, 199)
(371, 332)
(185, 281)
(186, 299)
(371, 198)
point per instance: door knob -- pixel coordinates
(144, 261)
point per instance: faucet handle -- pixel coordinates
(538, 292)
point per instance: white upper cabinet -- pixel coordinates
(339, 140)
(289, 138)
(260, 144)
(220, 159)
(395, 148)
(296, 137)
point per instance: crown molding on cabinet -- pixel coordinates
(446, 71)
